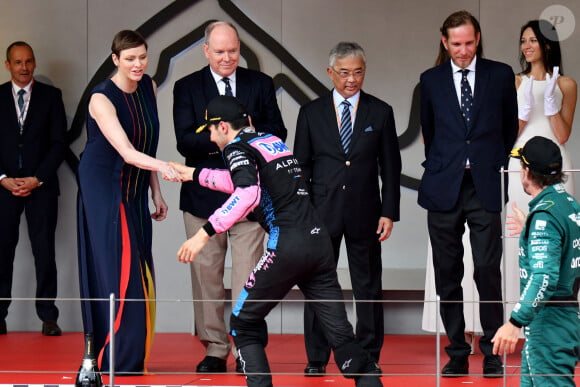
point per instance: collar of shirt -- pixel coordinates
(21, 115)
(16, 89)
(470, 67)
(221, 84)
(337, 98)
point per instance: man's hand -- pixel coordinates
(191, 247)
(384, 229)
(20, 186)
(185, 172)
(515, 221)
(506, 339)
(10, 184)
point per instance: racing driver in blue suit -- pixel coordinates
(264, 180)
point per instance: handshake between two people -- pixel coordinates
(176, 172)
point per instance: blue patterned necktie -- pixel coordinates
(466, 98)
(20, 113)
(228, 87)
(345, 126)
(21, 93)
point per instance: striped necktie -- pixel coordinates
(345, 126)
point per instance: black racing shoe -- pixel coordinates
(368, 380)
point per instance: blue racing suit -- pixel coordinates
(265, 179)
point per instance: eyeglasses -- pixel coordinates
(356, 74)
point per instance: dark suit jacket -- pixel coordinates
(448, 142)
(345, 188)
(191, 95)
(43, 139)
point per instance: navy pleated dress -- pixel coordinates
(114, 231)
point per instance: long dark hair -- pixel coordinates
(457, 19)
(550, 46)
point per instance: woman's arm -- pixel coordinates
(104, 113)
(562, 121)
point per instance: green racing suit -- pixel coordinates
(549, 259)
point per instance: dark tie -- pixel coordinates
(466, 98)
(228, 87)
(21, 93)
(345, 126)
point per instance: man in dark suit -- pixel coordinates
(343, 150)
(191, 95)
(469, 122)
(32, 146)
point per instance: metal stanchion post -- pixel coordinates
(438, 342)
(503, 173)
(112, 340)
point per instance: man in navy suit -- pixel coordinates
(469, 123)
(191, 95)
(344, 185)
(32, 146)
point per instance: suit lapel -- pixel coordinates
(242, 87)
(8, 99)
(35, 95)
(450, 93)
(481, 82)
(210, 89)
(329, 114)
(361, 119)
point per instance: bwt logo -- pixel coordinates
(274, 148)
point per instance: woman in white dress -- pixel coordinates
(546, 104)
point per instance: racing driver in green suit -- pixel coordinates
(549, 260)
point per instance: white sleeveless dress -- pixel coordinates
(538, 125)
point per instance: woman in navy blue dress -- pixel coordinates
(116, 171)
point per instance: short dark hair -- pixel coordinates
(240, 123)
(542, 180)
(126, 39)
(549, 46)
(454, 20)
(18, 43)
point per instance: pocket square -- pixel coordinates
(369, 129)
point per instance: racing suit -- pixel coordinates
(265, 178)
(549, 260)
